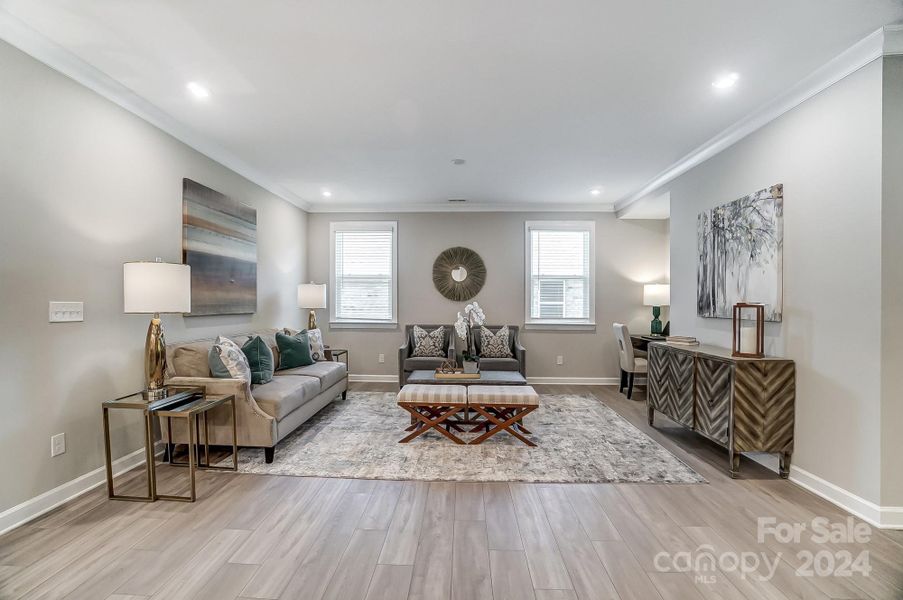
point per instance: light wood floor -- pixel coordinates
(254, 536)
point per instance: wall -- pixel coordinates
(85, 187)
(628, 254)
(827, 153)
(892, 282)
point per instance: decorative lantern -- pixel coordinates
(749, 340)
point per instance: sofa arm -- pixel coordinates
(255, 427)
(403, 354)
(520, 353)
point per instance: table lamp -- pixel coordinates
(312, 296)
(155, 288)
(656, 295)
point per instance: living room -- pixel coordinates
(451, 301)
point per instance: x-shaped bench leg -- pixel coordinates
(432, 412)
(502, 425)
(428, 423)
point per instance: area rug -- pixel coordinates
(579, 440)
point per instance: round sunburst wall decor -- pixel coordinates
(459, 273)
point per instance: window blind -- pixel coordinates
(560, 274)
(364, 277)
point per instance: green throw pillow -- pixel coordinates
(294, 350)
(260, 359)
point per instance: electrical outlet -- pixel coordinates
(559, 360)
(67, 312)
(382, 358)
(57, 444)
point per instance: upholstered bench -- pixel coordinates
(446, 408)
(503, 406)
(431, 407)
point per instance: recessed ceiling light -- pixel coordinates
(326, 193)
(595, 191)
(458, 161)
(725, 81)
(198, 90)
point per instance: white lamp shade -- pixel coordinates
(657, 294)
(156, 287)
(312, 295)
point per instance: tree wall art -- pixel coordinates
(740, 255)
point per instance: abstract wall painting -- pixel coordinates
(219, 241)
(740, 255)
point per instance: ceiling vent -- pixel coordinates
(457, 199)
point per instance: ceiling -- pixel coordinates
(372, 100)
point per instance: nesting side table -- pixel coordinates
(175, 403)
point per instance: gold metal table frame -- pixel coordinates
(190, 411)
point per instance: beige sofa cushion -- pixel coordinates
(327, 372)
(190, 360)
(282, 395)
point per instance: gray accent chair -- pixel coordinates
(408, 364)
(519, 360)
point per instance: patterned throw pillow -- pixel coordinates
(429, 344)
(495, 345)
(317, 349)
(227, 361)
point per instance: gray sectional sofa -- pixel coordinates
(267, 412)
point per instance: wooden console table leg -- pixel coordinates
(735, 464)
(784, 469)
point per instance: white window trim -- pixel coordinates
(588, 324)
(337, 323)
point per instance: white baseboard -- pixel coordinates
(882, 517)
(573, 380)
(364, 378)
(37, 506)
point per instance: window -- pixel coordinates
(363, 273)
(560, 268)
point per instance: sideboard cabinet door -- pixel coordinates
(714, 382)
(671, 383)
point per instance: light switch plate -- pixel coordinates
(382, 358)
(67, 312)
(559, 360)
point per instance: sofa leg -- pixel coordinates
(268, 454)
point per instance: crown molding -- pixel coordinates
(893, 40)
(846, 63)
(464, 207)
(39, 47)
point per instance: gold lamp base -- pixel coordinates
(155, 356)
(312, 319)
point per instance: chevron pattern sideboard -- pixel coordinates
(743, 404)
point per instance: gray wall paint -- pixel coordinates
(628, 254)
(85, 187)
(892, 284)
(827, 153)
